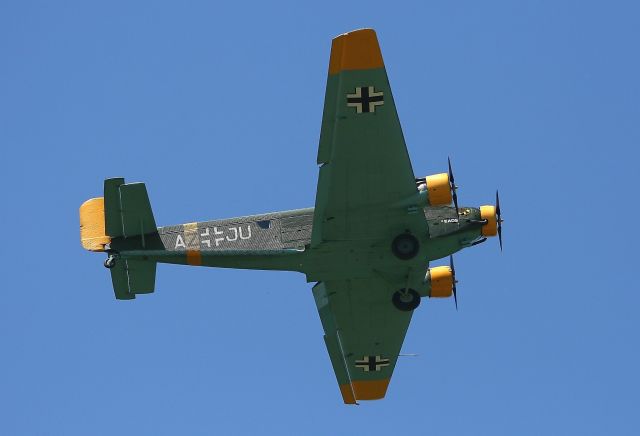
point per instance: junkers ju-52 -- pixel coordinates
(366, 244)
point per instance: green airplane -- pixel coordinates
(367, 243)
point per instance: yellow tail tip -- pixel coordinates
(92, 230)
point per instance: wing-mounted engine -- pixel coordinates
(438, 189)
(441, 188)
(440, 281)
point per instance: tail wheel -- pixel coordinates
(406, 300)
(110, 262)
(405, 246)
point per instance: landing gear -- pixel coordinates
(110, 262)
(406, 299)
(405, 246)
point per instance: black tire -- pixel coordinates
(405, 246)
(110, 262)
(406, 301)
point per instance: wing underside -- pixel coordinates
(363, 334)
(365, 167)
(365, 174)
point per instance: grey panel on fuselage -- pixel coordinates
(271, 231)
(296, 230)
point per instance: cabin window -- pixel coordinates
(264, 224)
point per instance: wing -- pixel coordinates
(363, 334)
(365, 167)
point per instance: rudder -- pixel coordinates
(127, 209)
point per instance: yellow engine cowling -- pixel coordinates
(491, 227)
(438, 189)
(441, 280)
(92, 231)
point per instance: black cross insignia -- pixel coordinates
(371, 363)
(365, 99)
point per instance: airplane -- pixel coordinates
(366, 244)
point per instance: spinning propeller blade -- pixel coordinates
(499, 219)
(453, 276)
(452, 186)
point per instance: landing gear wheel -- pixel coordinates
(110, 262)
(405, 246)
(406, 299)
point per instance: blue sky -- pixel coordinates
(217, 107)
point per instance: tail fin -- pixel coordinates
(124, 212)
(127, 209)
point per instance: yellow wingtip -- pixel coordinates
(370, 389)
(347, 394)
(364, 390)
(355, 50)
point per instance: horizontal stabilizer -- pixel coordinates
(131, 277)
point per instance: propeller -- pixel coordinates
(453, 276)
(499, 219)
(453, 186)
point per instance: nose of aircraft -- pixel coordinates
(488, 213)
(494, 220)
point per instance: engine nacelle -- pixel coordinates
(491, 227)
(438, 189)
(440, 282)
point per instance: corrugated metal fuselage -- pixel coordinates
(282, 241)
